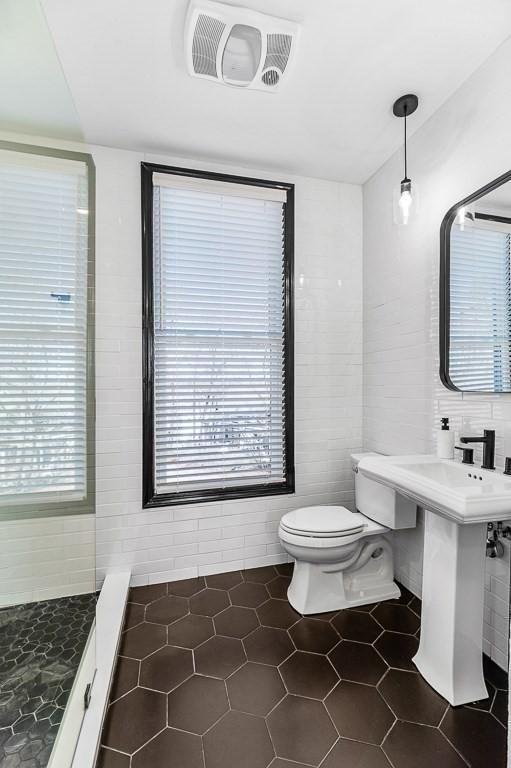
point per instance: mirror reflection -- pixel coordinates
(477, 294)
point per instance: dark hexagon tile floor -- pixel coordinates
(197, 704)
(41, 645)
(308, 674)
(301, 730)
(221, 672)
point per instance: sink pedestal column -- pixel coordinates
(450, 649)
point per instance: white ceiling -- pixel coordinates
(34, 96)
(124, 63)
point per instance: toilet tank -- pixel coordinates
(381, 503)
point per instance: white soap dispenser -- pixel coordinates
(445, 441)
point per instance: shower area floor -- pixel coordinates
(41, 645)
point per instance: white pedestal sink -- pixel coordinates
(459, 501)
(450, 649)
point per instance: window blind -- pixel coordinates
(219, 336)
(43, 329)
(480, 309)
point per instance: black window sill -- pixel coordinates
(202, 497)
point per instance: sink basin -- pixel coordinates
(458, 501)
(461, 492)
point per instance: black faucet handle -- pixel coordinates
(489, 449)
(468, 454)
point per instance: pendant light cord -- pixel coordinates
(406, 151)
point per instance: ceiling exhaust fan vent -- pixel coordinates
(206, 40)
(271, 77)
(238, 47)
(278, 51)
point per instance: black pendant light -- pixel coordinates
(405, 198)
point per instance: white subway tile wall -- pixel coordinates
(450, 157)
(44, 558)
(184, 541)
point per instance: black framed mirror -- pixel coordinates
(475, 291)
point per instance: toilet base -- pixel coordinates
(319, 588)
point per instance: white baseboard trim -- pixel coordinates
(109, 621)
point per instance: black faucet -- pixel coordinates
(488, 441)
(468, 454)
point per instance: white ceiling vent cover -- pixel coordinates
(238, 47)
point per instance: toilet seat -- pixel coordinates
(319, 522)
(320, 542)
(355, 526)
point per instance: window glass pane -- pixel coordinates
(43, 329)
(219, 340)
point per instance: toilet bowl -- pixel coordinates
(342, 558)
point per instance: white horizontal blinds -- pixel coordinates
(219, 295)
(43, 329)
(480, 309)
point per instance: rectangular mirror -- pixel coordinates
(475, 291)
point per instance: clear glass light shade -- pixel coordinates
(465, 217)
(405, 202)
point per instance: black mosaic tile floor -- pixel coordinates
(221, 672)
(41, 645)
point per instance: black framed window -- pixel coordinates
(218, 336)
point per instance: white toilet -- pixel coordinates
(344, 558)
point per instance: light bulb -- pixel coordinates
(405, 202)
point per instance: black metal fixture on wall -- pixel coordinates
(405, 197)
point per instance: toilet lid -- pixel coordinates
(323, 521)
